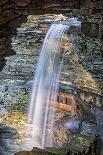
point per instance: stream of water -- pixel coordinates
(45, 84)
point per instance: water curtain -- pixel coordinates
(45, 85)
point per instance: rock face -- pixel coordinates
(21, 37)
(36, 151)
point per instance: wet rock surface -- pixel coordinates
(36, 151)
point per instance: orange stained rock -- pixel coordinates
(74, 107)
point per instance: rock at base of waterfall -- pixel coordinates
(36, 151)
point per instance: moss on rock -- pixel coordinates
(19, 104)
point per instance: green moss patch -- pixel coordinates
(19, 104)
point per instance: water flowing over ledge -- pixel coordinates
(45, 87)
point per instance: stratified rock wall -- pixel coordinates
(21, 38)
(10, 10)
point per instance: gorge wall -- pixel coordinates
(23, 26)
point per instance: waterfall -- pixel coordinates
(45, 83)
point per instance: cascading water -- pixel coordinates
(46, 84)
